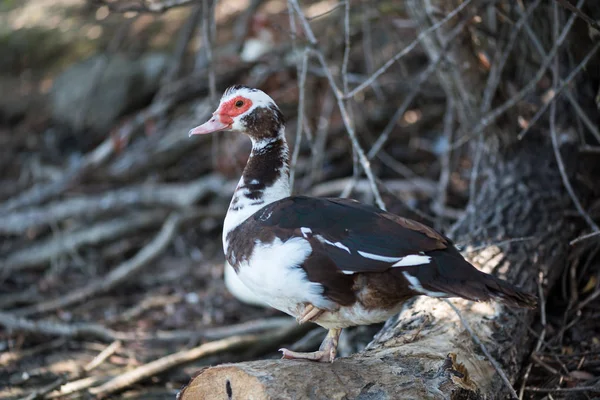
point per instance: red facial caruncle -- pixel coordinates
(234, 107)
(222, 119)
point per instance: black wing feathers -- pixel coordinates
(348, 237)
(342, 227)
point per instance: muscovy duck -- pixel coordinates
(332, 261)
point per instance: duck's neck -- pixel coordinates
(266, 179)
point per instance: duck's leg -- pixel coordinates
(310, 313)
(326, 352)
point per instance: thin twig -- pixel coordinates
(169, 195)
(580, 14)
(351, 133)
(39, 393)
(494, 114)
(344, 113)
(306, 25)
(554, 134)
(593, 128)
(367, 45)
(541, 337)
(40, 253)
(346, 46)
(500, 243)
(497, 67)
(584, 237)
(445, 169)
(576, 389)
(91, 330)
(557, 90)
(302, 69)
(407, 49)
(580, 112)
(185, 35)
(421, 185)
(473, 179)
(14, 323)
(321, 138)
(207, 23)
(325, 13)
(165, 363)
(416, 89)
(144, 5)
(484, 349)
(103, 355)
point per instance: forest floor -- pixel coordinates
(111, 266)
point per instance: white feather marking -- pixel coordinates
(273, 275)
(415, 285)
(339, 245)
(265, 215)
(238, 289)
(377, 257)
(245, 207)
(348, 272)
(306, 232)
(412, 259)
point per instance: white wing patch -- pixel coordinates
(377, 257)
(306, 232)
(412, 259)
(272, 275)
(415, 285)
(339, 245)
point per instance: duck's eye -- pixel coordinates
(239, 103)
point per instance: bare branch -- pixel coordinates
(302, 69)
(46, 250)
(351, 132)
(592, 23)
(185, 35)
(494, 114)
(558, 90)
(554, 134)
(406, 50)
(445, 169)
(484, 349)
(307, 29)
(173, 195)
(497, 67)
(103, 355)
(208, 21)
(12, 322)
(343, 111)
(165, 363)
(346, 46)
(423, 77)
(576, 389)
(117, 276)
(584, 237)
(143, 5)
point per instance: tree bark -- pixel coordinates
(426, 351)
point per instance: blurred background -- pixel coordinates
(110, 216)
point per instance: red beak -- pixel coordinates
(214, 124)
